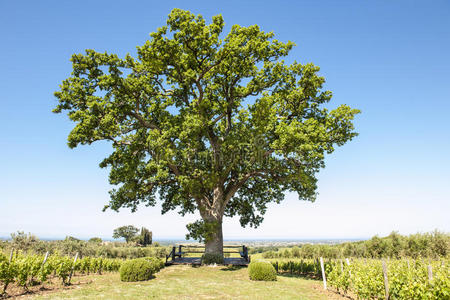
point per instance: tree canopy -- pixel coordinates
(127, 232)
(145, 237)
(204, 121)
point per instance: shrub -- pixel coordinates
(95, 240)
(262, 270)
(139, 269)
(157, 264)
(212, 258)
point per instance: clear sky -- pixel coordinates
(390, 59)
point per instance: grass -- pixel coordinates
(186, 282)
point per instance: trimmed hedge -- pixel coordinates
(262, 270)
(157, 263)
(139, 269)
(212, 258)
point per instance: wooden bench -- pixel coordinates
(178, 254)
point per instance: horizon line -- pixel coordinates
(173, 238)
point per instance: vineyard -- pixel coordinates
(31, 270)
(355, 278)
(406, 279)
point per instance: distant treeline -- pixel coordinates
(95, 247)
(427, 245)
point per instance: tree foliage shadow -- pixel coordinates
(232, 268)
(196, 265)
(301, 275)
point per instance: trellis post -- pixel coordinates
(323, 274)
(11, 255)
(73, 268)
(386, 282)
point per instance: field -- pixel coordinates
(28, 273)
(186, 282)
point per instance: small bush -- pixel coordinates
(157, 264)
(212, 258)
(139, 269)
(262, 270)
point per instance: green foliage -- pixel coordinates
(202, 231)
(262, 270)
(338, 275)
(88, 265)
(261, 249)
(44, 271)
(96, 265)
(94, 249)
(139, 269)
(63, 267)
(23, 241)
(302, 267)
(295, 252)
(72, 239)
(96, 240)
(24, 266)
(8, 271)
(205, 121)
(212, 258)
(27, 270)
(145, 237)
(71, 245)
(432, 245)
(126, 232)
(367, 281)
(408, 279)
(157, 263)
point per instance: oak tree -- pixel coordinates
(127, 232)
(205, 121)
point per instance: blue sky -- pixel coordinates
(390, 59)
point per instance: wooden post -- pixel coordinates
(73, 267)
(179, 249)
(43, 262)
(430, 273)
(386, 282)
(173, 253)
(276, 266)
(323, 274)
(245, 249)
(45, 258)
(348, 264)
(11, 255)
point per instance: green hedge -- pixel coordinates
(139, 269)
(262, 270)
(157, 263)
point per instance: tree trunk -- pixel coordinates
(214, 215)
(215, 244)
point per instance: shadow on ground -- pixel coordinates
(304, 276)
(232, 268)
